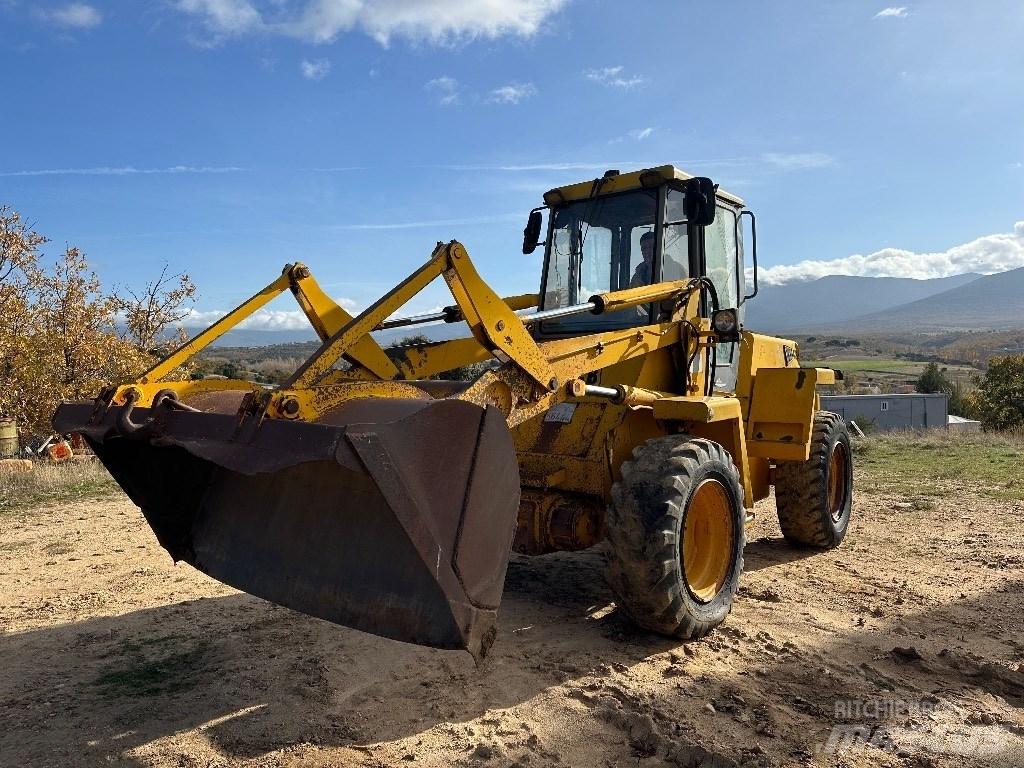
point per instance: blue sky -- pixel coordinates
(227, 137)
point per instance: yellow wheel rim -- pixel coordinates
(837, 481)
(707, 540)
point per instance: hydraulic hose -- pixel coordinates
(712, 353)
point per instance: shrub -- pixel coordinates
(1000, 395)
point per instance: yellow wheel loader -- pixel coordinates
(622, 403)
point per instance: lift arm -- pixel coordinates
(323, 314)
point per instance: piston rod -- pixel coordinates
(453, 315)
(611, 393)
(401, 322)
(550, 314)
(599, 304)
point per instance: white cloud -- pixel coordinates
(621, 164)
(798, 161)
(892, 13)
(614, 77)
(75, 15)
(315, 70)
(775, 161)
(445, 88)
(512, 93)
(224, 17)
(261, 319)
(126, 170)
(322, 21)
(637, 134)
(986, 255)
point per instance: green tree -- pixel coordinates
(932, 380)
(963, 402)
(229, 370)
(1000, 395)
(409, 341)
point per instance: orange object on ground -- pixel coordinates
(59, 451)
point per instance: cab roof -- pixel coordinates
(623, 182)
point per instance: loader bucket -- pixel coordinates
(391, 516)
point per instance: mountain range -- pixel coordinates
(877, 305)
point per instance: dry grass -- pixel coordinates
(53, 483)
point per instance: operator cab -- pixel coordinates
(626, 230)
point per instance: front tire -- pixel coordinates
(676, 533)
(814, 498)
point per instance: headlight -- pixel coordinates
(726, 325)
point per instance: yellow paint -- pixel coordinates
(327, 319)
(183, 389)
(566, 442)
(781, 413)
(708, 540)
(701, 409)
(625, 182)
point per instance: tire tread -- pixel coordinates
(645, 514)
(799, 490)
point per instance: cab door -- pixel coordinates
(723, 264)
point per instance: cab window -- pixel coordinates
(720, 255)
(723, 261)
(595, 248)
(675, 260)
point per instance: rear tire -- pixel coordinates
(676, 533)
(814, 498)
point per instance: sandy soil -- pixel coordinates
(901, 648)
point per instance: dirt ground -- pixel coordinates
(901, 648)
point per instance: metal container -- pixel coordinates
(8, 438)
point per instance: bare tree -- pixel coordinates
(150, 312)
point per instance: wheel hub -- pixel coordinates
(707, 540)
(837, 481)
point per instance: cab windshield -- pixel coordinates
(599, 245)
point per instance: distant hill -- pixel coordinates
(837, 298)
(989, 303)
(253, 338)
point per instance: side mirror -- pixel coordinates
(531, 235)
(699, 204)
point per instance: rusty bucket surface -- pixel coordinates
(393, 517)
